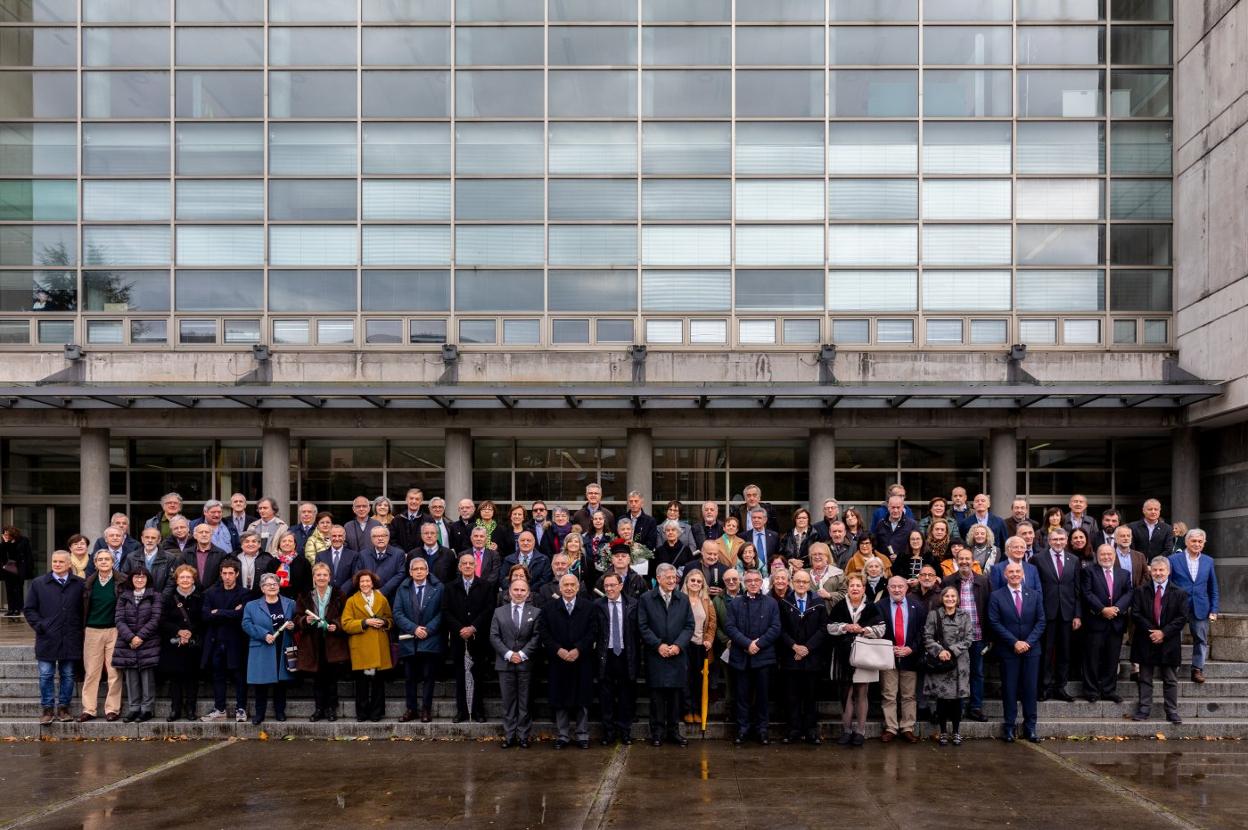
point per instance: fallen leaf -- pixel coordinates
(1160, 736)
(264, 736)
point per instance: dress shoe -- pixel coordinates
(1114, 698)
(627, 740)
(583, 744)
(845, 739)
(607, 740)
(63, 715)
(375, 719)
(1033, 737)
(561, 744)
(47, 717)
(763, 740)
(887, 737)
(112, 717)
(910, 737)
(257, 720)
(507, 743)
(1198, 676)
(130, 717)
(1064, 696)
(331, 716)
(425, 716)
(977, 715)
(524, 743)
(316, 716)
(173, 715)
(1090, 698)
(1175, 719)
(280, 717)
(146, 716)
(1008, 736)
(1137, 717)
(85, 716)
(814, 740)
(858, 739)
(1043, 696)
(739, 740)
(656, 742)
(407, 716)
(459, 718)
(480, 718)
(679, 740)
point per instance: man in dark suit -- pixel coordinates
(621, 565)
(765, 540)
(467, 607)
(418, 618)
(1015, 549)
(617, 661)
(514, 637)
(343, 561)
(709, 527)
(1105, 589)
(665, 624)
(1151, 535)
(387, 562)
(754, 498)
(441, 559)
(1059, 589)
(119, 541)
(753, 627)
(712, 569)
(1129, 559)
(1033, 545)
(823, 528)
(904, 618)
(534, 561)
(304, 524)
(254, 563)
(1016, 617)
(359, 528)
(1159, 609)
(488, 564)
(1110, 520)
(891, 535)
(437, 515)
(973, 593)
(1020, 511)
(593, 504)
(645, 529)
(405, 528)
(204, 557)
(1078, 518)
(567, 632)
(548, 591)
(461, 528)
(980, 515)
(150, 555)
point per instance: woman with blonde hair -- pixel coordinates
(704, 635)
(318, 539)
(367, 619)
(383, 510)
(855, 616)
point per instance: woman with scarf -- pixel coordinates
(322, 644)
(181, 643)
(318, 539)
(574, 549)
(366, 618)
(268, 622)
(983, 547)
(938, 540)
(517, 523)
(598, 541)
(293, 570)
(79, 555)
(797, 541)
(137, 650)
(485, 518)
(383, 511)
(561, 530)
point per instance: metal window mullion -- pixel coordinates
(452, 332)
(359, 187)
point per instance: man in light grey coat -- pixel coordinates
(514, 637)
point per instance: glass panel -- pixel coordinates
(873, 10)
(968, 9)
(290, 332)
(685, 246)
(382, 332)
(312, 46)
(773, 200)
(410, 46)
(54, 332)
(48, 245)
(407, 245)
(1142, 148)
(1064, 148)
(873, 148)
(873, 199)
(513, 94)
(793, 93)
(1156, 332)
(661, 11)
(687, 291)
(864, 45)
(685, 94)
(149, 332)
(38, 291)
(113, 200)
(685, 148)
(680, 46)
(710, 332)
(1060, 291)
(802, 332)
(986, 332)
(686, 199)
(499, 199)
(614, 331)
(1061, 9)
(1061, 45)
(1124, 332)
(219, 47)
(219, 291)
(966, 290)
(966, 45)
(592, 245)
(593, 199)
(944, 332)
(313, 245)
(499, 11)
(1141, 9)
(216, 149)
(125, 149)
(767, 10)
(311, 291)
(1141, 291)
(125, 47)
(490, 46)
(407, 94)
(1140, 199)
(477, 331)
(312, 94)
(565, 332)
(1139, 244)
(1060, 244)
(522, 332)
(125, 11)
(967, 92)
(38, 95)
(873, 245)
(1140, 45)
(851, 331)
(592, 94)
(198, 332)
(500, 245)
(125, 95)
(39, 11)
(592, 46)
(878, 93)
(781, 46)
(195, 11)
(312, 199)
(1064, 199)
(105, 332)
(779, 245)
(779, 148)
(40, 201)
(406, 10)
(966, 148)
(592, 148)
(486, 149)
(125, 245)
(664, 331)
(116, 291)
(1037, 331)
(757, 332)
(220, 245)
(894, 331)
(312, 11)
(398, 149)
(1069, 93)
(966, 199)
(220, 95)
(426, 331)
(1139, 94)
(335, 332)
(406, 291)
(873, 290)
(1081, 332)
(406, 199)
(312, 149)
(779, 290)
(38, 149)
(592, 290)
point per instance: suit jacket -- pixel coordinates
(405, 532)
(491, 565)
(1161, 543)
(407, 618)
(539, 567)
(474, 608)
(161, 578)
(461, 535)
(361, 539)
(700, 533)
(821, 530)
(390, 569)
(1101, 538)
(771, 542)
(1139, 567)
(679, 557)
(634, 585)
(629, 636)
(128, 545)
(1060, 595)
(645, 529)
(1031, 576)
(885, 537)
(659, 624)
(1008, 626)
(505, 637)
(1095, 595)
(211, 573)
(444, 564)
(301, 535)
(1203, 591)
(571, 683)
(743, 518)
(916, 618)
(348, 564)
(995, 523)
(582, 517)
(751, 619)
(225, 529)
(1174, 605)
(1086, 524)
(808, 629)
(714, 574)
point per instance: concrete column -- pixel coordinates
(458, 483)
(1184, 477)
(275, 460)
(641, 463)
(822, 469)
(93, 448)
(1003, 469)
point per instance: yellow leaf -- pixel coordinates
(1161, 736)
(264, 736)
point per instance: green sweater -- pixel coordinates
(102, 612)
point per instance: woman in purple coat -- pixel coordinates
(137, 652)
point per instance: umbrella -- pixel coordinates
(706, 690)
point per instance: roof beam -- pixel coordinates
(1142, 399)
(178, 400)
(1030, 400)
(1084, 400)
(507, 401)
(249, 401)
(573, 401)
(899, 400)
(374, 400)
(830, 403)
(768, 401)
(113, 400)
(315, 403)
(55, 403)
(445, 403)
(964, 400)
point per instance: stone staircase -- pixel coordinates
(1218, 708)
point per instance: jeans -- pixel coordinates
(48, 671)
(977, 676)
(1200, 641)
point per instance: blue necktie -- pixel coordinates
(801, 606)
(758, 543)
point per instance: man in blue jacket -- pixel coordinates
(1015, 549)
(54, 610)
(1016, 617)
(753, 626)
(1192, 571)
(979, 515)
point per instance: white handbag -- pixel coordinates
(872, 654)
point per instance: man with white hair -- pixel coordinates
(665, 624)
(128, 543)
(170, 506)
(1192, 571)
(1159, 608)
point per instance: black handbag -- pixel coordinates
(934, 664)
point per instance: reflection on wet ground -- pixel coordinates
(313, 784)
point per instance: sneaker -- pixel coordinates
(214, 715)
(942, 739)
(957, 739)
(240, 715)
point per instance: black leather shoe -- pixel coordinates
(281, 717)
(561, 744)
(763, 739)
(459, 718)
(1090, 698)
(130, 717)
(173, 715)
(656, 742)
(583, 744)
(1175, 719)
(679, 740)
(1114, 698)
(607, 740)
(332, 716)
(316, 716)
(407, 716)
(627, 740)
(1033, 737)
(977, 715)
(739, 740)
(1063, 696)
(1008, 736)
(506, 744)
(146, 716)
(425, 716)
(814, 740)
(524, 743)
(480, 718)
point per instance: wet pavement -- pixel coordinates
(314, 784)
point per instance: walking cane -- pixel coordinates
(706, 690)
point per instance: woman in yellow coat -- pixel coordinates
(366, 619)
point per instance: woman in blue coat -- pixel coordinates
(418, 616)
(267, 622)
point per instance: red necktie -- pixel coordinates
(1018, 604)
(1157, 604)
(1057, 562)
(899, 628)
(1109, 584)
(480, 555)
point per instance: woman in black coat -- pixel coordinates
(16, 566)
(181, 643)
(138, 644)
(854, 616)
(803, 632)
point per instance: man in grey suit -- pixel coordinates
(513, 634)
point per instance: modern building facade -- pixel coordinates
(501, 248)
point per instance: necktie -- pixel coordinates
(1018, 604)
(515, 616)
(1157, 604)
(420, 598)
(569, 605)
(667, 600)
(1109, 584)
(479, 555)
(524, 560)
(442, 534)
(617, 639)
(801, 606)
(337, 553)
(1057, 563)
(759, 546)
(899, 627)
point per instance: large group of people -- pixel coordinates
(587, 605)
